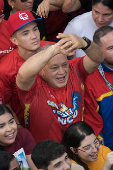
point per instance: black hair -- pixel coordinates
(73, 136)
(101, 32)
(4, 109)
(5, 160)
(46, 151)
(108, 3)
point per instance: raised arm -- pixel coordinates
(71, 5)
(48, 5)
(94, 55)
(27, 72)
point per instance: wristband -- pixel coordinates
(88, 43)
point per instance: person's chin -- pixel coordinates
(100, 25)
(61, 85)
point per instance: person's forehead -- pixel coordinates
(28, 26)
(102, 8)
(108, 38)
(58, 59)
(59, 159)
(88, 140)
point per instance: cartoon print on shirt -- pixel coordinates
(67, 115)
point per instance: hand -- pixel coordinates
(108, 161)
(76, 42)
(43, 9)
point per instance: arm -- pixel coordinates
(30, 162)
(94, 55)
(46, 6)
(71, 5)
(108, 162)
(27, 72)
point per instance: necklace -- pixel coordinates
(101, 71)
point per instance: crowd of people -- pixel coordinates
(56, 88)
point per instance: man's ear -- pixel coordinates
(73, 150)
(11, 3)
(14, 40)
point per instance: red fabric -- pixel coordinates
(50, 121)
(23, 140)
(5, 44)
(9, 66)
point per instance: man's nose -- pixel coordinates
(61, 70)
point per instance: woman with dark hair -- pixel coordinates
(8, 161)
(18, 142)
(85, 149)
(87, 23)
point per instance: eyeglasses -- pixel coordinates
(89, 148)
(23, 0)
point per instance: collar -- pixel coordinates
(106, 68)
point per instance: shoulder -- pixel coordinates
(76, 61)
(22, 132)
(93, 78)
(79, 24)
(104, 151)
(76, 166)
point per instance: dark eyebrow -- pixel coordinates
(9, 121)
(86, 146)
(90, 144)
(57, 164)
(24, 31)
(35, 26)
(2, 124)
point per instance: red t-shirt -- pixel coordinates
(5, 43)
(9, 66)
(52, 110)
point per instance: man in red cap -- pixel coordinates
(5, 44)
(20, 23)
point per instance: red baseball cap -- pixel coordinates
(1, 7)
(19, 19)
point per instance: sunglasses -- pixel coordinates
(23, 0)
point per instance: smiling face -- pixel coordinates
(85, 151)
(8, 129)
(107, 49)
(102, 15)
(56, 72)
(61, 163)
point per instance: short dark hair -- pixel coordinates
(45, 152)
(5, 160)
(4, 109)
(101, 32)
(108, 3)
(73, 136)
